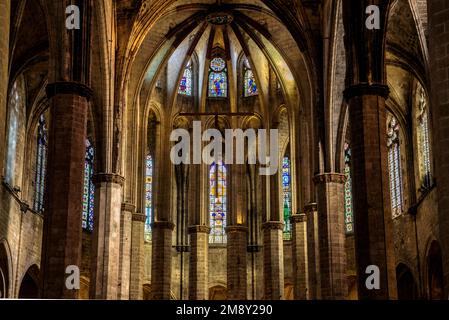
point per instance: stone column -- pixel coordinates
(372, 208)
(61, 245)
(5, 10)
(137, 256)
(198, 271)
(125, 249)
(161, 266)
(313, 252)
(331, 233)
(273, 245)
(439, 70)
(106, 236)
(365, 94)
(299, 256)
(236, 262)
(236, 233)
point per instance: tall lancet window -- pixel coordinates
(349, 215)
(41, 164)
(148, 196)
(287, 197)
(424, 141)
(16, 114)
(250, 85)
(89, 189)
(394, 165)
(217, 202)
(218, 78)
(185, 86)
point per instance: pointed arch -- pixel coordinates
(5, 270)
(29, 286)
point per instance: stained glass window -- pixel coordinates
(41, 163)
(217, 64)
(148, 196)
(394, 165)
(217, 202)
(185, 87)
(16, 114)
(349, 215)
(218, 79)
(424, 141)
(287, 197)
(250, 85)
(89, 189)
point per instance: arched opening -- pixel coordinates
(218, 293)
(288, 291)
(407, 288)
(435, 272)
(4, 273)
(146, 292)
(29, 288)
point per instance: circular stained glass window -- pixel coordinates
(217, 64)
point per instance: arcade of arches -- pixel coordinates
(85, 123)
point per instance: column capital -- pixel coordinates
(273, 225)
(366, 89)
(126, 206)
(311, 207)
(163, 225)
(68, 87)
(234, 229)
(108, 178)
(198, 229)
(329, 178)
(298, 218)
(139, 217)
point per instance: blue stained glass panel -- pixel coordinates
(250, 84)
(185, 87)
(287, 197)
(148, 196)
(89, 189)
(349, 215)
(41, 164)
(218, 85)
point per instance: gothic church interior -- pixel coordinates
(86, 116)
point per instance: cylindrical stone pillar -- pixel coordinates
(331, 233)
(161, 264)
(137, 257)
(299, 256)
(236, 262)
(313, 252)
(106, 236)
(198, 271)
(372, 203)
(61, 245)
(273, 249)
(125, 249)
